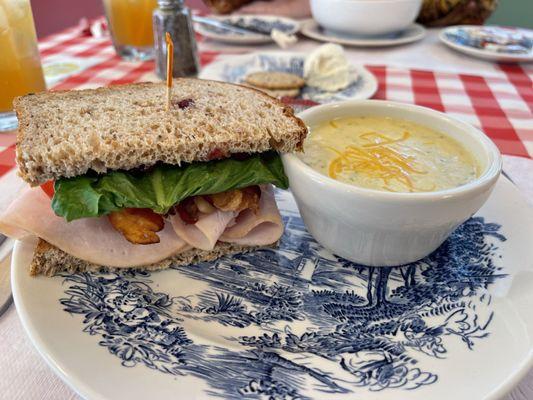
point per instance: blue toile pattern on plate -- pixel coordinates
(294, 65)
(261, 25)
(297, 322)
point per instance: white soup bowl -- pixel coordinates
(380, 228)
(365, 17)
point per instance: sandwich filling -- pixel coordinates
(146, 216)
(162, 187)
(137, 203)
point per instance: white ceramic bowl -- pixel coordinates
(380, 228)
(365, 17)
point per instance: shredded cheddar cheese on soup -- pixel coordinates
(378, 160)
(388, 154)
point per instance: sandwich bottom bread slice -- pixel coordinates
(49, 260)
(118, 180)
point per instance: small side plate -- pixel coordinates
(234, 70)
(312, 29)
(449, 37)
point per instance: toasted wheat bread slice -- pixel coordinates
(49, 260)
(65, 134)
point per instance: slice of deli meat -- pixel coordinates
(257, 229)
(90, 239)
(205, 232)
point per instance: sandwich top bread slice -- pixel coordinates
(126, 183)
(65, 134)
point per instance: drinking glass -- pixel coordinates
(130, 24)
(20, 66)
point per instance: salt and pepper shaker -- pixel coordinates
(173, 17)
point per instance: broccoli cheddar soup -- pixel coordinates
(388, 154)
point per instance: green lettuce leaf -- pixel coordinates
(161, 187)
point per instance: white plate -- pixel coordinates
(446, 36)
(298, 322)
(234, 69)
(310, 28)
(286, 25)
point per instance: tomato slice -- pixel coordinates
(48, 188)
(216, 154)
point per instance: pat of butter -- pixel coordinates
(282, 39)
(328, 69)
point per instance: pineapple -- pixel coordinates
(456, 12)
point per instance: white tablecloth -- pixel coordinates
(24, 375)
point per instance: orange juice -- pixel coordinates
(131, 21)
(20, 66)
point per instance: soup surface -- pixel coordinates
(388, 154)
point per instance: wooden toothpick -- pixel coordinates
(170, 63)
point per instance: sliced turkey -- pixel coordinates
(257, 229)
(96, 241)
(205, 232)
(90, 239)
(249, 228)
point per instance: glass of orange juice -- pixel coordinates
(130, 23)
(20, 65)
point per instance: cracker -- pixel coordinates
(274, 80)
(278, 94)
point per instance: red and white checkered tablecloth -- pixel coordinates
(500, 104)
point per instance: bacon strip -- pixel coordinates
(138, 225)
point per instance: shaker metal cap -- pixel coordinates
(169, 3)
